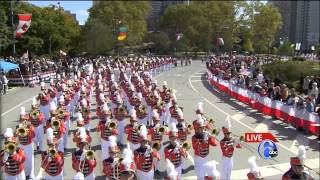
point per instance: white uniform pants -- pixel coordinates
(226, 168)
(199, 165)
(20, 176)
(57, 177)
(141, 175)
(46, 111)
(38, 140)
(29, 162)
(60, 145)
(121, 135)
(104, 149)
(65, 136)
(134, 146)
(90, 176)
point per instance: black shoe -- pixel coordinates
(157, 172)
(184, 171)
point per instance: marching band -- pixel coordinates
(130, 149)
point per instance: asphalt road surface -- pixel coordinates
(191, 85)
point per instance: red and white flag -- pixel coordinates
(179, 36)
(24, 24)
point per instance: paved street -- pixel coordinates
(191, 86)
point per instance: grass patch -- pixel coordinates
(290, 71)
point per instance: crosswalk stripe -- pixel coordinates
(238, 116)
(266, 171)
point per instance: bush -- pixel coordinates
(298, 59)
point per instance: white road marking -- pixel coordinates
(17, 106)
(199, 80)
(261, 128)
(267, 171)
(238, 116)
(195, 76)
(243, 124)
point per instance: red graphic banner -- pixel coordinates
(258, 137)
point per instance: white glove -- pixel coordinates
(49, 159)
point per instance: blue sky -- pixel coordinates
(78, 7)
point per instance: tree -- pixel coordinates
(110, 15)
(162, 42)
(4, 30)
(286, 49)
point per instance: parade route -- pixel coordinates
(191, 85)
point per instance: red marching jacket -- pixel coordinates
(201, 146)
(77, 139)
(174, 154)
(26, 140)
(106, 132)
(14, 164)
(53, 167)
(140, 113)
(133, 134)
(86, 166)
(143, 160)
(58, 133)
(155, 136)
(227, 147)
(37, 119)
(110, 168)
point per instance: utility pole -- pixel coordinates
(14, 34)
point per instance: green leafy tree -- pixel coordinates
(286, 49)
(4, 30)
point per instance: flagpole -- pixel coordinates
(14, 34)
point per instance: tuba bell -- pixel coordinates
(89, 155)
(156, 145)
(112, 125)
(10, 147)
(61, 113)
(161, 129)
(22, 131)
(215, 131)
(186, 145)
(55, 124)
(52, 152)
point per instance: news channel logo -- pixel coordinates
(267, 149)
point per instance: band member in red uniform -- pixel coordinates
(201, 143)
(132, 130)
(174, 152)
(64, 116)
(87, 162)
(142, 111)
(37, 119)
(144, 157)
(127, 166)
(111, 165)
(52, 160)
(44, 99)
(25, 134)
(296, 170)
(254, 173)
(86, 114)
(12, 158)
(120, 113)
(227, 144)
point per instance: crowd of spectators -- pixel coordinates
(246, 72)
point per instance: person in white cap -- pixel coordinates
(44, 99)
(111, 163)
(145, 156)
(76, 134)
(228, 145)
(12, 161)
(254, 173)
(64, 116)
(37, 120)
(120, 112)
(201, 142)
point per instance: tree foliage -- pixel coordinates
(286, 49)
(47, 23)
(102, 25)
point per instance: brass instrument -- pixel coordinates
(61, 113)
(215, 131)
(156, 145)
(11, 147)
(85, 111)
(55, 124)
(34, 114)
(22, 131)
(52, 152)
(89, 155)
(186, 145)
(112, 125)
(143, 109)
(161, 129)
(189, 126)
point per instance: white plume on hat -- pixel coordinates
(180, 113)
(58, 76)
(156, 94)
(78, 176)
(143, 132)
(61, 98)
(302, 153)
(254, 168)
(165, 83)
(75, 77)
(8, 133)
(132, 113)
(155, 114)
(50, 135)
(173, 127)
(105, 107)
(82, 134)
(211, 169)
(140, 95)
(112, 141)
(101, 96)
(42, 84)
(34, 101)
(63, 86)
(127, 153)
(22, 111)
(83, 88)
(53, 106)
(154, 82)
(200, 106)
(100, 87)
(171, 172)
(84, 102)
(79, 117)
(227, 124)
(200, 120)
(118, 98)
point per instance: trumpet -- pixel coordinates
(189, 126)
(34, 114)
(55, 124)
(143, 109)
(61, 113)
(186, 145)
(161, 129)
(86, 110)
(211, 121)
(52, 152)
(22, 131)
(215, 131)
(122, 110)
(11, 148)
(112, 125)
(89, 154)
(156, 145)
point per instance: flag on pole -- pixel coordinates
(179, 36)
(25, 55)
(62, 53)
(122, 33)
(298, 45)
(24, 24)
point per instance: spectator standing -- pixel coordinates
(305, 87)
(4, 82)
